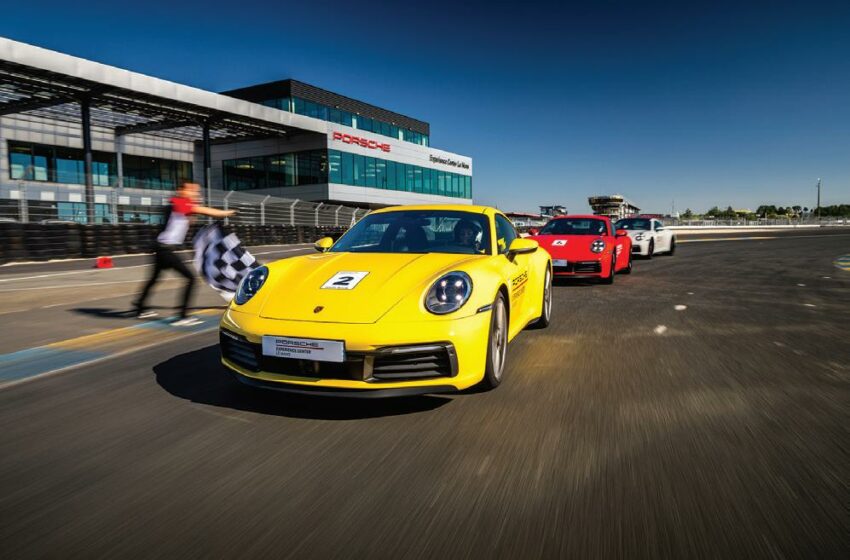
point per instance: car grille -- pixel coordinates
(392, 363)
(414, 362)
(580, 267)
(635, 248)
(238, 350)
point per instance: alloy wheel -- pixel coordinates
(500, 339)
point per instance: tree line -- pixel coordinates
(770, 211)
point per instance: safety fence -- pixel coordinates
(50, 204)
(41, 242)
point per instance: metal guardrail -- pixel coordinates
(807, 221)
(28, 203)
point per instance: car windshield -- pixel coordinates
(574, 226)
(633, 224)
(418, 231)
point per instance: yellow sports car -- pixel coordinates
(412, 299)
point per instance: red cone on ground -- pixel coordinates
(103, 262)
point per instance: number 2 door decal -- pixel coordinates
(344, 280)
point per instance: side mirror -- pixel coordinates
(622, 233)
(522, 246)
(533, 231)
(323, 244)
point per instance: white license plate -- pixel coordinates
(304, 348)
(559, 262)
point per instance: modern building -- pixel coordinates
(614, 206)
(85, 141)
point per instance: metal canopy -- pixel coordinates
(43, 93)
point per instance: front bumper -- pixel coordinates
(640, 247)
(587, 268)
(380, 360)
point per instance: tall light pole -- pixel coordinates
(818, 206)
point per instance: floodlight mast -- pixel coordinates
(818, 206)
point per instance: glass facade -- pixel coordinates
(364, 171)
(283, 170)
(76, 212)
(319, 111)
(154, 173)
(332, 166)
(55, 164)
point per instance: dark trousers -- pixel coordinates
(166, 258)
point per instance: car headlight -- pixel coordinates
(597, 246)
(639, 237)
(251, 284)
(449, 293)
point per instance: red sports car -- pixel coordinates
(586, 246)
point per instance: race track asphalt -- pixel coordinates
(697, 408)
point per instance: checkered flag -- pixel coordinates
(221, 259)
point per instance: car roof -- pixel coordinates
(581, 216)
(472, 209)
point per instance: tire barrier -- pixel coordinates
(12, 242)
(41, 242)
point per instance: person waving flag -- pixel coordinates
(178, 216)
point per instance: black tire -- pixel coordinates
(672, 250)
(628, 269)
(610, 278)
(497, 344)
(651, 249)
(546, 316)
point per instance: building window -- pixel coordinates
(56, 164)
(392, 183)
(347, 162)
(280, 170)
(320, 166)
(370, 172)
(381, 173)
(315, 110)
(334, 167)
(154, 173)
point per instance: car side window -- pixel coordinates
(505, 234)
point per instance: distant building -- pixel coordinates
(615, 206)
(524, 219)
(550, 211)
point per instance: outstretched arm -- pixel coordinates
(214, 212)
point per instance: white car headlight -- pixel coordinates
(449, 293)
(597, 246)
(251, 284)
(639, 237)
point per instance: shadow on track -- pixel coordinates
(199, 377)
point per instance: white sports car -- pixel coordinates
(649, 236)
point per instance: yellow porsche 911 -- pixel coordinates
(412, 299)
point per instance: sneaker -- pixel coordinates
(146, 314)
(186, 322)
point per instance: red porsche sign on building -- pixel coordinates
(358, 141)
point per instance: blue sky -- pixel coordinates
(704, 104)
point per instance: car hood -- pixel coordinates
(298, 294)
